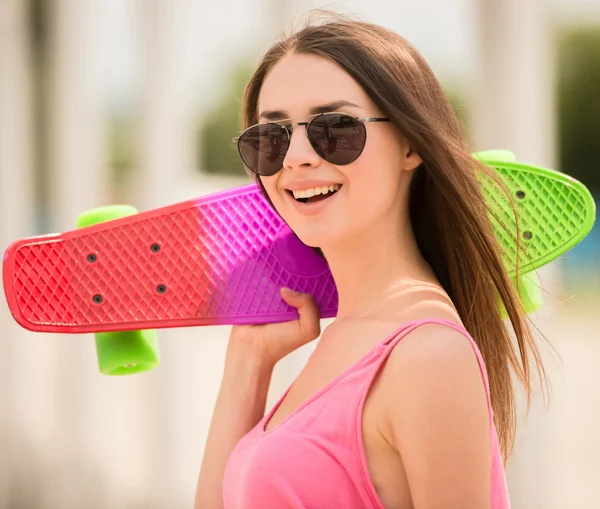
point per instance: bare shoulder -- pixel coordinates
(433, 410)
(434, 352)
(432, 363)
(432, 346)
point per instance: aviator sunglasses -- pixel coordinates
(338, 138)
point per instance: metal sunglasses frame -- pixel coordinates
(307, 124)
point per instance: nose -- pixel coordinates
(300, 153)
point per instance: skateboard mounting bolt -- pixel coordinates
(91, 258)
(527, 235)
(97, 299)
(161, 288)
(520, 195)
(155, 248)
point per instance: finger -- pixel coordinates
(308, 322)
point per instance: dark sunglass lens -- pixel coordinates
(263, 148)
(339, 139)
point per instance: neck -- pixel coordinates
(374, 267)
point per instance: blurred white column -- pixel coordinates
(514, 109)
(50, 367)
(167, 131)
(17, 209)
(514, 106)
(79, 179)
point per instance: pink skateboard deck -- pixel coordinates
(218, 259)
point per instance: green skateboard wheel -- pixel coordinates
(496, 155)
(127, 352)
(529, 293)
(124, 352)
(103, 214)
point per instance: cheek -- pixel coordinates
(278, 199)
(270, 185)
(374, 191)
(378, 170)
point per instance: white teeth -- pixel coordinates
(308, 193)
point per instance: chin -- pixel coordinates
(316, 238)
(310, 239)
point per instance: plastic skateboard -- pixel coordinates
(221, 259)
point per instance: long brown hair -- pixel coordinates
(447, 209)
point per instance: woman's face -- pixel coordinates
(374, 188)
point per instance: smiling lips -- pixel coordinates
(305, 195)
(311, 190)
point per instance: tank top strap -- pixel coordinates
(391, 341)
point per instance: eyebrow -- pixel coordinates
(323, 108)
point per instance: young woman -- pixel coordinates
(353, 142)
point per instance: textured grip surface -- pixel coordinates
(220, 259)
(553, 213)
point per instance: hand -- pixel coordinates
(273, 341)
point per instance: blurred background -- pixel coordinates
(135, 101)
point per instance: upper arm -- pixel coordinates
(437, 418)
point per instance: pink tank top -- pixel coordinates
(315, 457)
